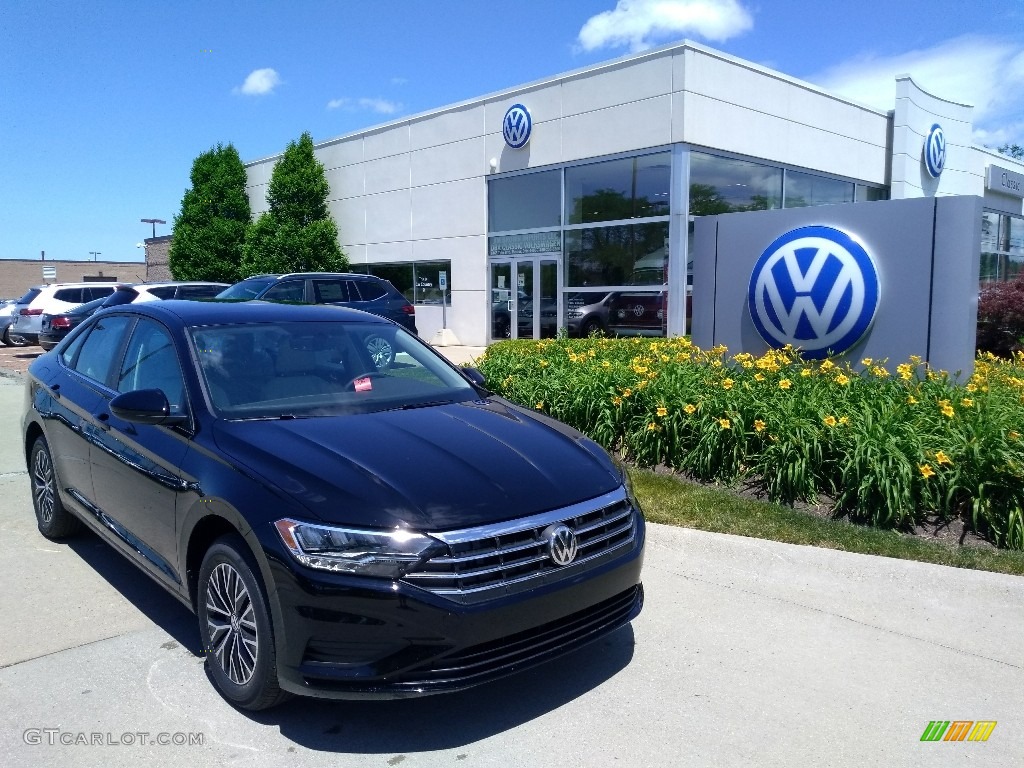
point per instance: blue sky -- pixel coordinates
(103, 106)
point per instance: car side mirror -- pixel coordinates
(475, 376)
(145, 406)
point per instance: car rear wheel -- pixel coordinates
(10, 341)
(234, 625)
(591, 327)
(54, 521)
(381, 351)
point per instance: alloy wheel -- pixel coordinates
(231, 624)
(43, 485)
(380, 351)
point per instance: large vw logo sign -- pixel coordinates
(815, 288)
(935, 151)
(517, 126)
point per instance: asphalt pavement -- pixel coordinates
(748, 653)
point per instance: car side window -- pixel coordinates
(150, 362)
(289, 290)
(163, 292)
(330, 291)
(199, 291)
(97, 292)
(98, 350)
(370, 290)
(70, 295)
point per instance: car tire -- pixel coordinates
(381, 351)
(590, 327)
(234, 625)
(52, 517)
(9, 341)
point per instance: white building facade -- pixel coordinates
(568, 203)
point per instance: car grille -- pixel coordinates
(498, 560)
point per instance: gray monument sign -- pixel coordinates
(884, 280)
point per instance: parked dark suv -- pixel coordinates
(366, 292)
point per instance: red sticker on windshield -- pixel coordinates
(364, 384)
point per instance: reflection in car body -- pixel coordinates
(341, 530)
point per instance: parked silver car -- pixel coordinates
(8, 313)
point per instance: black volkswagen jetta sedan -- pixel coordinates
(340, 529)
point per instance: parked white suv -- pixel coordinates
(174, 289)
(51, 299)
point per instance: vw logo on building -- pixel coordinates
(517, 126)
(935, 151)
(562, 544)
(815, 288)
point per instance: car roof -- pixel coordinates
(313, 274)
(165, 283)
(240, 312)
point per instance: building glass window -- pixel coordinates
(628, 254)
(866, 194)
(628, 188)
(804, 190)
(1002, 247)
(727, 185)
(529, 201)
(418, 281)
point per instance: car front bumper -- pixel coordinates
(354, 638)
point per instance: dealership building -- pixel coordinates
(572, 199)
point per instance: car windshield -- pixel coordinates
(321, 368)
(247, 289)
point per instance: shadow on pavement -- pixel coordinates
(145, 594)
(447, 721)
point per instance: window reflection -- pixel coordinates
(805, 189)
(628, 254)
(418, 281)
(725, 185)
(529, 201)
(629, 188)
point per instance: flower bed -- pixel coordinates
(891, 444)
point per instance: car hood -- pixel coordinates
(434, 468)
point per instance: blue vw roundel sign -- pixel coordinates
(517, 126)
(815, 288)
(935, 151)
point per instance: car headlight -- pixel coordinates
(627, 484)
(385, 554)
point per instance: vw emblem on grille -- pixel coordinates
(517, 126)
(815, 288)
(638, 310)
(935, 151)
(562, 544)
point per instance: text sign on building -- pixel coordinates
(530, 242)
(1004, 180)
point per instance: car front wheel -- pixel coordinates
(234, 625)
(54, 521)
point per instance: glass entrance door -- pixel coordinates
(525, 297)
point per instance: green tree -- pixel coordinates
(297, 233)
(1012, 150)
(210, 230)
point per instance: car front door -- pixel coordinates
(135, 467)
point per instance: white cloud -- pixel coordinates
(380, 106)
(986, 72)
(638, 23)
(399, 80)
(260, 82)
